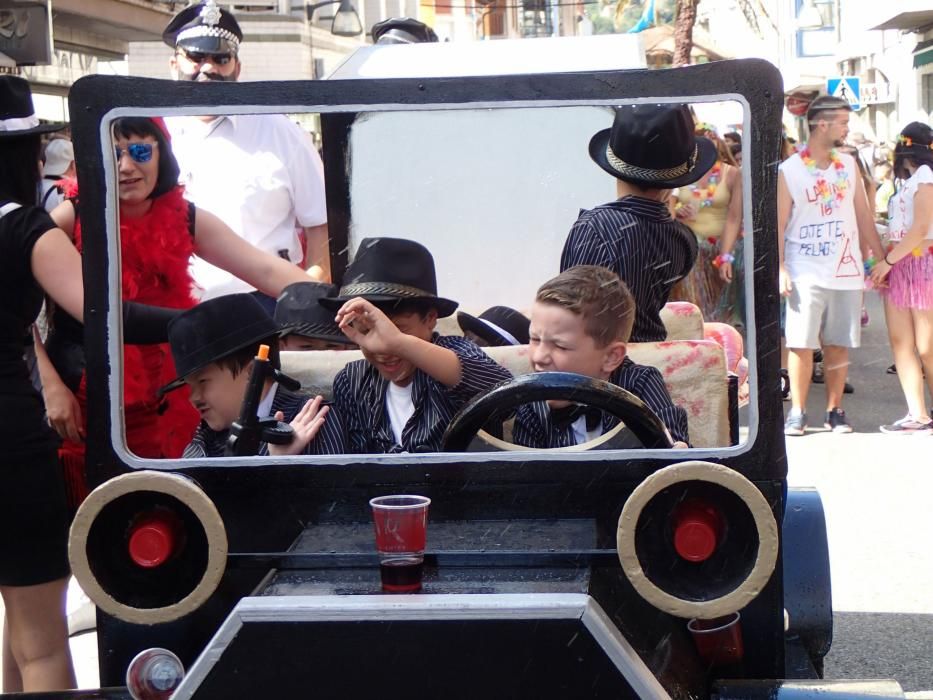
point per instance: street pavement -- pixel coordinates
(876, 493)
(876, 490)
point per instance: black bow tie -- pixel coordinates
(565, 417)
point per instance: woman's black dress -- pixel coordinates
(33, 513)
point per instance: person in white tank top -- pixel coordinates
(824, 222)
(905, 275)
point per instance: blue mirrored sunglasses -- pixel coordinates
(139, 152)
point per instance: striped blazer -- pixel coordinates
(360, 394)
(638, 240)
(534, 426)
(330, 439)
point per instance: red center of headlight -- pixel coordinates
(697, 530)
(152, 541)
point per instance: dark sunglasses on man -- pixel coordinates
(139, 152)
(199, 57)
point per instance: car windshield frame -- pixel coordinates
(98, 100)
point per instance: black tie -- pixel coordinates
(565, 417)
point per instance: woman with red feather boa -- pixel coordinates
(159, 231)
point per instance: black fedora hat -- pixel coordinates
(497, 325)
(17, 115)
(204, 27)
(402, 30)
(298, 312)
(390, 270)
(213, 330)
(653, 146)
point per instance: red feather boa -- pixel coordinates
(154, 256)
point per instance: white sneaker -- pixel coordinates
(908, 425)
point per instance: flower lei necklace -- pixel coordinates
(708, 192)
(829, 195)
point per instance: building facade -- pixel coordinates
(88, 37)
(887, 46)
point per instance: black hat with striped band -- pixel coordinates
(204, 27)
(17, 114)
(653, 146)
(386, 271)
(297, 312)
(497, 325)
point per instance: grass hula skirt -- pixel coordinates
(910, 282)
(704, 287)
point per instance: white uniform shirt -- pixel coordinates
(821, 244)
(260, 175)
(902, 204)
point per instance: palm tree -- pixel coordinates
(683, 31)
(684, 11)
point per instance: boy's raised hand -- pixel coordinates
(369, 327)
(306, 424)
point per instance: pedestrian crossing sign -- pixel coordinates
(846, 87)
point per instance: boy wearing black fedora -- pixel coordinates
(213, 358)
(650, 149)
(496, 326)
(306, 325)
(401, 397)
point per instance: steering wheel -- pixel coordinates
(503, 398)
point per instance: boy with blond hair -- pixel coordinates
(581, 322)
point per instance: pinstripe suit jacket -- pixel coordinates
(638, 240)
(360, 394)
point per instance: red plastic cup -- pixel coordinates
(718, 641)
(401, 531)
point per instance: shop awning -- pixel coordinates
(923, 54)
(912, 20)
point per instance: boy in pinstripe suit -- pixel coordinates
(401, 397)
(213, 358)
(581, 322)
(650, 149)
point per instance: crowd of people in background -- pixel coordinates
(855, 216)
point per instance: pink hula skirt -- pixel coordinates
(910, 283)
